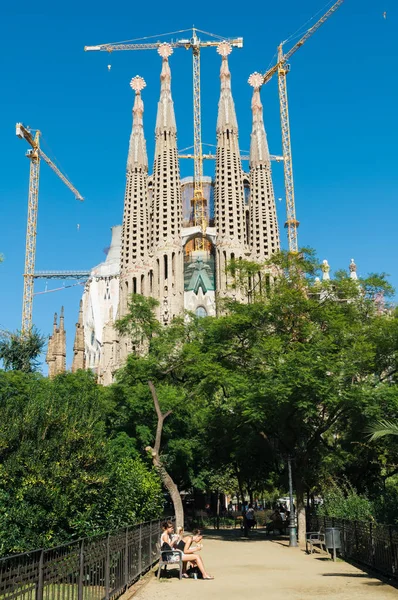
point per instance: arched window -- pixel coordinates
(201, 311)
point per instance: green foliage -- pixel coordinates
(302, 368)
(140, 323)
(61, 475)
(20, 352)
(342, 501)
(382, 428)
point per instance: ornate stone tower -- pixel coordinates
(56, 349)
(166, 209)
(229, 200)
(79, 360)
(134, 259)
(264, 232)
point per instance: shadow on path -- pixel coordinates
(236, 535)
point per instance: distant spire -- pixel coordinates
(353, 270)
(325, 270)
(61, 320)
(259, 152)
(55, 323)
(226, 107)
(137, 156)
(165, 120)
(78, 347)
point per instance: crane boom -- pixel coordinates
(34, 156)
(62, 177)
(282, 68)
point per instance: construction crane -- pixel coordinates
(195, 44)
(282, 67)
(34, 155)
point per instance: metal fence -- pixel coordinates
(96, 568)
(370, 544)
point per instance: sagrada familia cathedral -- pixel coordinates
(159, 251)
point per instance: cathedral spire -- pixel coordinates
(166, 204)
(137, 156)
(264, 233)
(78, 347)
(226, 108)
(165, 120)
(259, 152)
(229, 199)
(134, 252)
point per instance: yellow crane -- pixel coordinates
(195, 44)
(282, 67)
(34, 155)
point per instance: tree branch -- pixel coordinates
(161, 418)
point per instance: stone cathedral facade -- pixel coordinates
(161, 252)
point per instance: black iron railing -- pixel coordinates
(370, 544)
(96, 568)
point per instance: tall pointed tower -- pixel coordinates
(229, 201)
(264, 233)
(134, 257)
(79, 361)
(166, 210)
(56, 349)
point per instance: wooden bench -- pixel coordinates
(170, 557)
(315, 538)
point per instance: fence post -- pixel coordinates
(126, 559)
(140, 551)
(81, 572)
(343, 550)
(107, 568)
(40, 579)
(150, 543)
(372, 544)
(393, 552)
(356, 536)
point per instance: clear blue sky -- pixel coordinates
(343, 94)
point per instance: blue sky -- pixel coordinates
(343, 94)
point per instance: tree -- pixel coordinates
(62, 473)
(295, 366)
(158, 463)
(20, 352)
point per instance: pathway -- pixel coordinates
(267, 569)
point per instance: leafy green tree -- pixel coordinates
(20, 352)
(62, 474)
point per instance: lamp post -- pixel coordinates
(292, 516)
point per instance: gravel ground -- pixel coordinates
(266, 568)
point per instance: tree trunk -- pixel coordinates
(157, 462)
(301, 516)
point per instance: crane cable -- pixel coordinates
(64, 287)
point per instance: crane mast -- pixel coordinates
(198, 200)
(291, 221)
(31, 231)
(34, 155)
(282, 68)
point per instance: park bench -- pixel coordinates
(277, 525)
(315, 538)
(170, 557)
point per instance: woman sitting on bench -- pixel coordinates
(167, 543)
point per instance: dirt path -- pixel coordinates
(268, 569)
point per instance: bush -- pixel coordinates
(342, 501)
